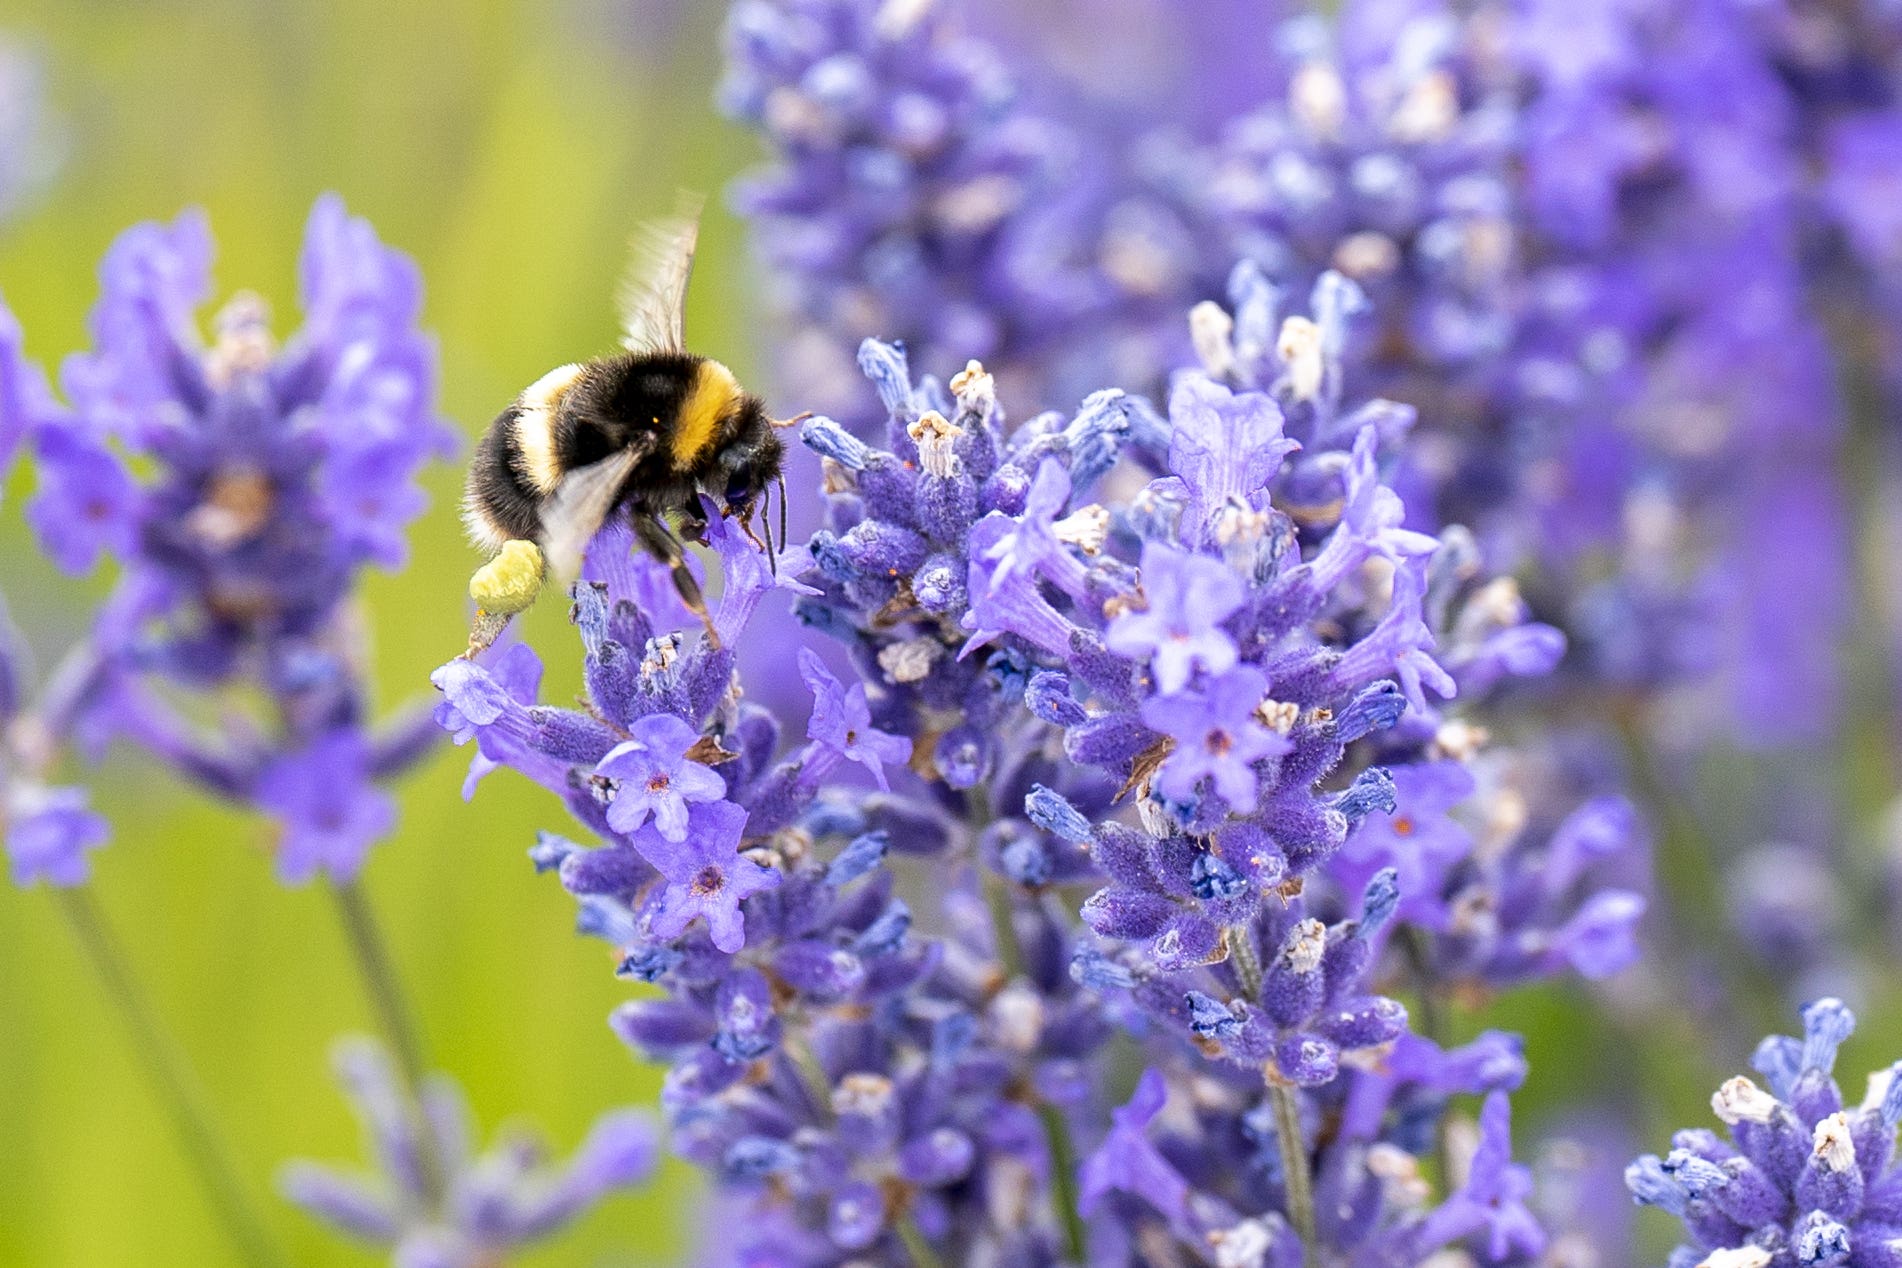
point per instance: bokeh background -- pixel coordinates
(508, 146)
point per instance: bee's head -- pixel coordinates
(747, 469)
(750, 464)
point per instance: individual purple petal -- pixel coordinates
(1217, 737)
(49, 833)
(345, 1202)
(1188, 596)
(746, 578)
(1371, 521)
(1127, 1162)
(26, 402)
(330, 812)
(1420, 840)
(1008, 600)
(516, 673)
(1601, 938)
(86, 504)
(1493, 1200)
(1400, 643)
(842, 721)
(653, 775)
(706, 875)
(1029, 548)
(1224, 446)
(144, 370)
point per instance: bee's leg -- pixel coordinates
(665, 547)
(693, 523)
(746, 527)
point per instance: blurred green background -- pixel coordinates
(509, 147)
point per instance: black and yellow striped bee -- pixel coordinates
(643, 432)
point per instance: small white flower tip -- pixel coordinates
(1086, 528)
(1738, 1257)
(1741, 1101)
(1833, 1147)
(1299, 347)
(1211, 331)
(1305, 946)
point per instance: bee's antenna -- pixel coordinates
(766, 527)
(783, 539)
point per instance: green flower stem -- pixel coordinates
(175, 1082)
(922, 1256)
(394, 1016)
(1056, 1130)
(1298, 1185)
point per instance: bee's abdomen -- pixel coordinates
(499, 504)
(538, 410)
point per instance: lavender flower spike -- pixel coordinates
(242, 486)
(1200, 702)
(478, 1209)
(1804, 1177)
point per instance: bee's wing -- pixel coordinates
(653, 296)
(579, 508)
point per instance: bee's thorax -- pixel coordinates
(709, 401)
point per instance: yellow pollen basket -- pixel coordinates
(510, 582)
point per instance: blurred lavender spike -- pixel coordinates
(482, 1206)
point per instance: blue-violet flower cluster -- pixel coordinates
(1140, 743)
(241, 486)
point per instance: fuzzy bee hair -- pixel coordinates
(644, 432)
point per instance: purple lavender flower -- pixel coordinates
(1372, 516)
(1217, 736)
(860, 1077)
(1504, 890)
(515, 673)
(242, 487)
(1180, 630)
(432, 1200)
(1126, 1161)
(1492, 1202)
(842, 722)
(1224, 449)
(1206, 926)
(330, 810)
(705, 875)
(50, 831)
(1804, 1177)
(653, 775)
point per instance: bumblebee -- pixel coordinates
(643, 432)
